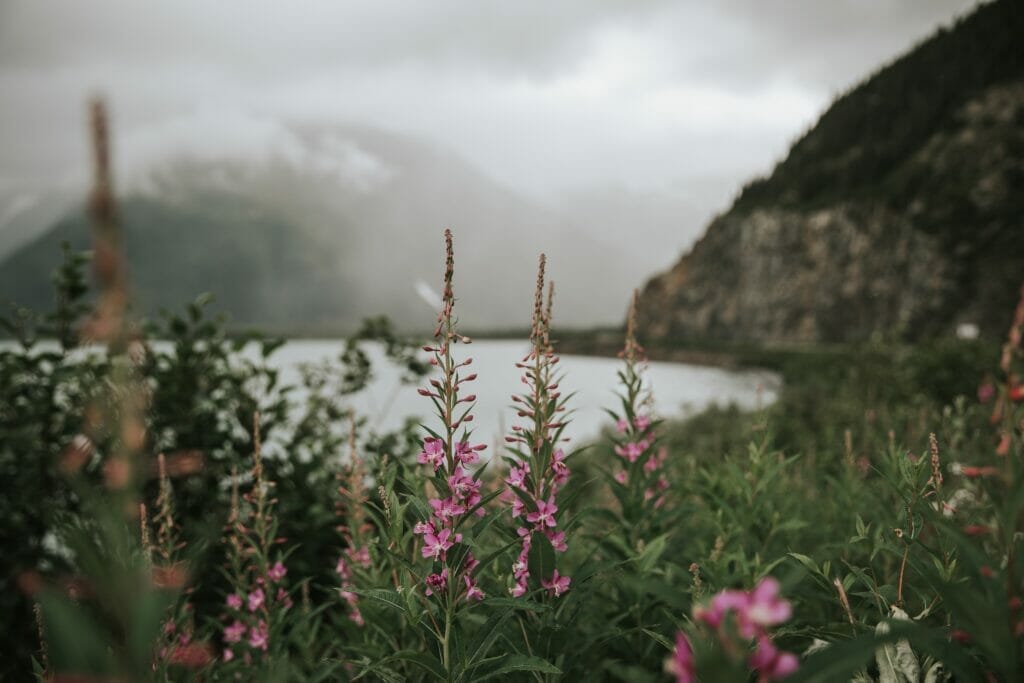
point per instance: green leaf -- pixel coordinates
(424, 661)
(806, 562)
(660, 639)
(391, 598)
(486, 636)
(74, 639)
(541, 561)
(521, 663)
(652, 553)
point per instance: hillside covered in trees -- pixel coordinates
(899, 212)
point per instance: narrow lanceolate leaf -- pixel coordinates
(426, 662)
(514, 663)
(486, 636)
(652, 553)
(387, 597)
(541, 561)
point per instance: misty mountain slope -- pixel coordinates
(25, 214)
(176, 252)
(900, 212)
(339, 223)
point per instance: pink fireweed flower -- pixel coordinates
(766, 608)
(360, 556)
(342, 569)
(421, 528)
(470, 563)
(228, 654)
(559, 468)
(234, 633)
(432, 453)
(621, 426)
(462, 485)
(517, 475)
(621, 477)
(545, 514)
(277, 572)
(284, 598)
(473, 591)
(259, 636)
(520, 568)
(754, 611)
(557, 540)
(721, 605)
(632, 450)
(354, 615)
(256, 599)
(234, 601)
(437, 582)
(557, 584)
(446, 509)
(466, 454)
(654, 463)
(435, 546)
(681, 663)
(641, 422)
(518, 507)
(771, 663)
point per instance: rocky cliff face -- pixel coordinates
(780, 275)
(903, 219)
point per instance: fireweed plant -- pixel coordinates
(448, 534)
(538, 466)
(639, 482)
(354, 527)
(253, 621)
(178, 645)
(730, 636)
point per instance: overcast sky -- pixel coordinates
(550, 98)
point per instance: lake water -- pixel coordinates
(678, 388)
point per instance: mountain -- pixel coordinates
(339, 223)
(901, 212)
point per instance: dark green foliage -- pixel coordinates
(869, 132)
(205, 388)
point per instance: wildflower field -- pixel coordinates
(866, 527)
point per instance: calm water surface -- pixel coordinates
(678, 388)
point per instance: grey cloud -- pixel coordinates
(526, 90)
